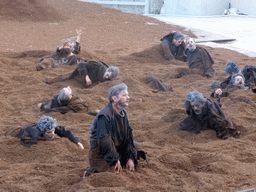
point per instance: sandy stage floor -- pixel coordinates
(177, 161)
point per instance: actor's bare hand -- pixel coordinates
(80, 145)
(80, 31)
(218, 92)
(130, 165)
(39, 105)
(118, 166)
(88, 80)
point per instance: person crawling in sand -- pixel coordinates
(157, 84)
(203, 113)
(64, 55)
(45, 129)
(89, 73)
(65, 101)
(111, 141)
(174, 46)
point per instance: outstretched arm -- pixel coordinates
(63, 132)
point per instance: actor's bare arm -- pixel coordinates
(118, 167)
(88, 80)
(130, 165)
(79, 33)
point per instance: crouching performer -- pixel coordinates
(205, 113)
(45, 128)
(64, 102)
(111, 140)
(89, 73)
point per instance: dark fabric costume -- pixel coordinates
(75, 104)
(60, 57)
(201, 59)
(237, 93)
(30, 133)
(211, 117)
(177, 52)
(249, 73)
(94, 69)
(111, 140)
(157, 84)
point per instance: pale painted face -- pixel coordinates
(107, 75)
(123, 99)
(177, 42)
(239, 81)
(49, 134)
(197, 107)
(191, 45)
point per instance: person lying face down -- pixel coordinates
(64, 102)
(174, 46)
(45, 128)
(89, 73)
(199, 58)
(203, 113)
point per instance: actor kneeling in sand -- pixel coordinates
(89, 73)
(64, 55)
(45, 128)
(64, 101)
(111, 140)
(205, 113)
(174, 46)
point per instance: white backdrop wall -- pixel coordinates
(207, 7)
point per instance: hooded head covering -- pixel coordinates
(178, 35)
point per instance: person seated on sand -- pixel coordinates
(65, 101)
(174, 46)
(157, 84)
(89, 73)
(199, 58)
(45, 129)
(204, 113)
(64, 55)
(111, 140)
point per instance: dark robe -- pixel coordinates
(249, 73)
(211, 117)
(225, 83)
(157, 84)
(60, 57)
(111, 140)
(29, 134)
(177, 52)
(94, 69)
(75, 104)
(201, 59)
(236, 93)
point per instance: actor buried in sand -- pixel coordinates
(236, 91)
(199, 61)
(45, 128)
(64, 55)
(204, 113)
(174, 46)
(65, 101)
(89, 73)
(111, 140)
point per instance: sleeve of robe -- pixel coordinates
(63, 132)
(224, 84)
(105, 142)
(131, 150)
(77, 48)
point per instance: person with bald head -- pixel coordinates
(203, 113)
(199, 58)
(174, 46)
